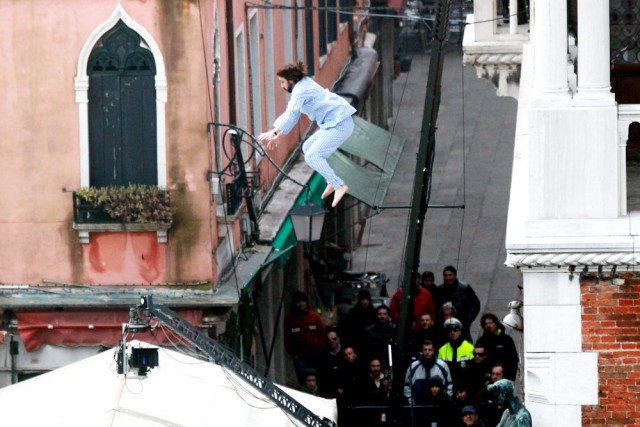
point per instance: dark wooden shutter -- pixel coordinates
(122, 111)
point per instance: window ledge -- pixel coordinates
(85, 230)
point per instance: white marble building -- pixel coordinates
(568, 209)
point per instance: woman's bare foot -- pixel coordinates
(327, 191)
(340, 192)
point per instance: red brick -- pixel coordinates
(606, 346)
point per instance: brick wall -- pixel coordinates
(611, 326)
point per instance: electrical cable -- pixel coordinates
(464, 167)
(212, 198)
(257, 146)
(395, 121)
(343, 10)
(237, 386)
(198, 356)
(182, 348)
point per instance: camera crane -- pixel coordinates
(147, 315)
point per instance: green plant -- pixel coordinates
(134, 203)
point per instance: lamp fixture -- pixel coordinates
(307, 221)
(514, 318)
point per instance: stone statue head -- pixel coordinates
(502, 391)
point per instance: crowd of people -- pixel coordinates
(448, 373)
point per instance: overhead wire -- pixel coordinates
(464, 165)
(345, 10)
(404, 86)
(238, 386)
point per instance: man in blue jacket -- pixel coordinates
(416, 381)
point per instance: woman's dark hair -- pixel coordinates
(294, 72)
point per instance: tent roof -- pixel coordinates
(181, 391)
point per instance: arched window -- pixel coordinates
(122, 110)
(122, 51)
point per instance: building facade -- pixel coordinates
(572, 222)
(112, 93)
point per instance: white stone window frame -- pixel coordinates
(81, 86)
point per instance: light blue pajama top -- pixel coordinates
(319, 104)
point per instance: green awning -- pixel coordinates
(380, 150)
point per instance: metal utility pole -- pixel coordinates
(421, 187)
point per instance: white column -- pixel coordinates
(551, 47)
(513, 16)
(593, 50)
(485, 14)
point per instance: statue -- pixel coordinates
(515, 414)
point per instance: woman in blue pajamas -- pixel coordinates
(330, 111)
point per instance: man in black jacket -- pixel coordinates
(463, 298)
(353, 324)
(499, 345)
(380, 336)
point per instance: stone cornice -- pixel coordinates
(510, 58)
(577, 259)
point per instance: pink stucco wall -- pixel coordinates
(40, 166)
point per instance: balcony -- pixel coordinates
(122, 209)
(494, 47)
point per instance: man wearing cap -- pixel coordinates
(462, 296)
(304, 334)
(457, 352)
(420, 372)
(471, 418)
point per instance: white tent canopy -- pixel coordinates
(181, 391)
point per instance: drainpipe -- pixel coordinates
(13, 351)
(352, 37)
(232, 62)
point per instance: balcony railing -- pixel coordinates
(91, 217)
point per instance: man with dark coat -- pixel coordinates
(427, 331)
(499, 345)
(329, 364)
(477, 373)
(304, 334)
(463, 298)
(353, 324)
(379, 336)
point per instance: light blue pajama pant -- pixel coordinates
(323, 144)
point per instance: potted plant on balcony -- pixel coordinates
(135, 207)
